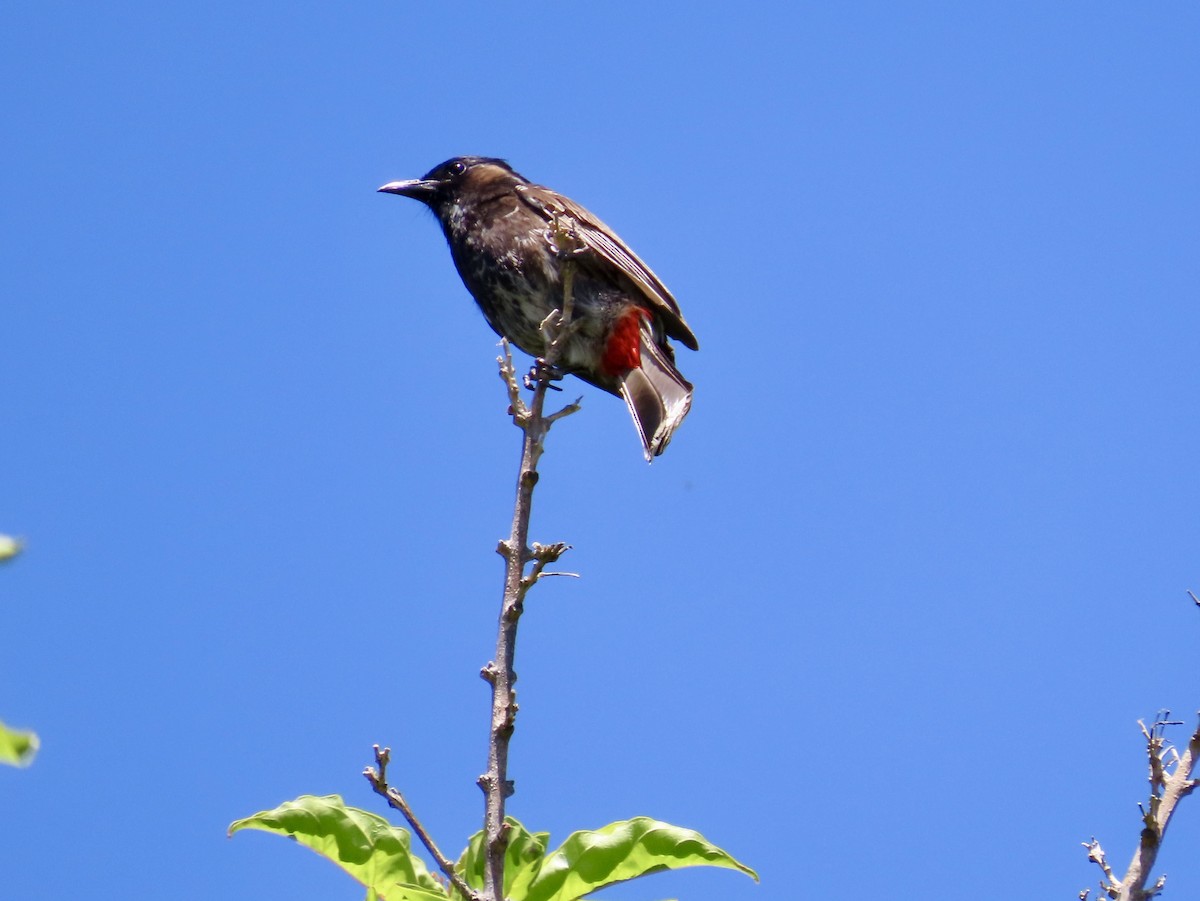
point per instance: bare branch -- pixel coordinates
(1109, 884)
(1170, 777)
(518, 555)
(378, 780)
(500, 673)
(508, 372)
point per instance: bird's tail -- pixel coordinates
(657, 395)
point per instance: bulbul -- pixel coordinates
(499, 226)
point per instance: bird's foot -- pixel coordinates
(564, 239)
(554, 331)
(542, 370)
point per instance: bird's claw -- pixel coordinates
(553, 330)
(563, 238)
(542, 370)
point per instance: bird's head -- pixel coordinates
(456, 180)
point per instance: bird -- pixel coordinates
(500, 227)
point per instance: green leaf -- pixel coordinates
(18, 747)
(589, 861)
(9, 547)
(524, 856)
(368, 847)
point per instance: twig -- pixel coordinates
(378, 780)
(1170, 781)
(517, 554)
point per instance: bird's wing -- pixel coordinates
(603, 241)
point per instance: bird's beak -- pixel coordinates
(416, 188)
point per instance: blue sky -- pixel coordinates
(888, 609)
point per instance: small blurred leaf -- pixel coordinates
(588, 861)
(9, 547)
(524, 856)
(18, 747)
(368, 847)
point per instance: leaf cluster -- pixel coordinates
(380, 856)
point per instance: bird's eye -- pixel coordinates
(458, 167)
